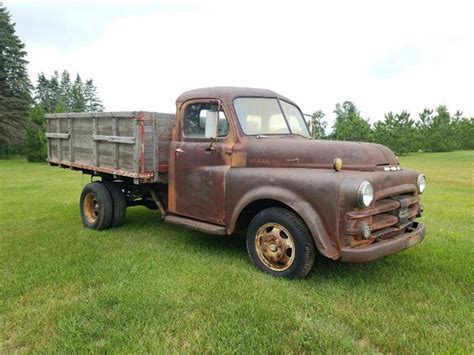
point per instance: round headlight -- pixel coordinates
(365, 194)
(421, 182)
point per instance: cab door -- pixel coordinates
(198, 166)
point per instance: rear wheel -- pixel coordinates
(96, 206)
(119, 204)
(279, 243)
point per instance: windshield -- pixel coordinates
(261, 116)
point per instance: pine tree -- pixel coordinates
(14, 87)
(78, 102)
(66, 90)
(93, 103)
(396, 131)
(48, 91)
(436, 130)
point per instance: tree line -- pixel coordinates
(54, 95)
(435, 131)
(23, 105)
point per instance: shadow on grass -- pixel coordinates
(379, 271)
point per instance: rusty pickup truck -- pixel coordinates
(242, 159)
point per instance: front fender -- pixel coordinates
(312, 194)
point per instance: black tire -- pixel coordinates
(96, 206)
(119, 204)
(276, 253)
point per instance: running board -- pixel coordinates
(200, 226)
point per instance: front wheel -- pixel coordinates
(279, 243)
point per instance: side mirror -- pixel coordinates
(212, 119)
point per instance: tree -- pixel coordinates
(463, 131)
(74, 97)
(93, 103)
(65, 93)
(396, 131)
(317, 125)
(57, 94)
(349, 125)
(77, 99)
(49, 91)
(436, 130)
(14, 87)
(35, 147)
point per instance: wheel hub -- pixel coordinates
(275, 246)
(91, 207)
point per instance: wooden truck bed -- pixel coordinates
(129, 144)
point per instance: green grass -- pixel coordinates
(149, 286)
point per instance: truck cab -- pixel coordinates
(243, 159)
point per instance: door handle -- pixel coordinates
(179, 151)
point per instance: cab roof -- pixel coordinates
(227, 94)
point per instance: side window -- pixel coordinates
(195, 121)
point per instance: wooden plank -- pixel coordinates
(136, 150)
(115, 133)
(58, 132)
(48, 128)
(57, 135)
(155, 150)
(71, 140)
(96, 143)
(114, 139)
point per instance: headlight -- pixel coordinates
(421, 182)
(365, 194)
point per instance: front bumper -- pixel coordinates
(386, 247)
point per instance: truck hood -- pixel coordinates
(299, 152)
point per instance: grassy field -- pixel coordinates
(153, 287)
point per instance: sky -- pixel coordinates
(382, 55)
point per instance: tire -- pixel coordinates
(119, 204)
(279, 243)
(96, 206)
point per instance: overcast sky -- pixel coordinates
(383, 55)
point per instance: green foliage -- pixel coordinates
(60, 107)
(59, 92)
(92, 100)
(35, 143)
(14, 87)
(436, 130)
(463, 132)
(349, 125)
(47, 91)
(317, 125)
(65, 93)
(78, 101)
(396, 131)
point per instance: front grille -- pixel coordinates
(387, 218)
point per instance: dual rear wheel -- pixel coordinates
(102, 205)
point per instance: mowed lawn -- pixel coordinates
(152, 287)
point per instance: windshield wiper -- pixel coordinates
(262, 136)
(297, 134)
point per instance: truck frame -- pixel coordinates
(241, 158)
